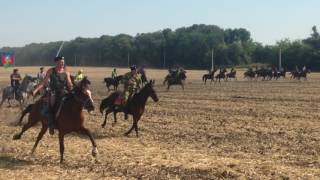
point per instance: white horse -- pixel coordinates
(21, 94)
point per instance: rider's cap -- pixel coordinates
(133, 67)
(58, 58)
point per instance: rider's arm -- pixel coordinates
(69, 82)
(43, 82)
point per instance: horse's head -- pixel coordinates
(151, 92)
(83, 94)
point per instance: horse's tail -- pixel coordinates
(24, 112)
(107, 102)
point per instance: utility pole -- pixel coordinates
(280, 66)
(164, 59)
(212, 63)
(128, 59)
(75, 60)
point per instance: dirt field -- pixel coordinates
(232, 130)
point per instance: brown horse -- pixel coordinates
(136, 105)
(70, 118)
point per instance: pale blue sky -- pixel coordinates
(28, 21)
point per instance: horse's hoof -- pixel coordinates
(126, 134)
(16, 137)
(113, 124)
(103, 125)
(94, 152)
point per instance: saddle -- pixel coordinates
(56, 108)
(120, 100)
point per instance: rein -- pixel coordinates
(82, 102)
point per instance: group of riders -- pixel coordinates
(58, 82)
(274, 73)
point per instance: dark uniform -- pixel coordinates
(15, 81)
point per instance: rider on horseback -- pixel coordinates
(15, 81)
(131, 81)
(41, 75)
(114, 73)
(60, 82)
(79, 76)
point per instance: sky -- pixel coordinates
(41, 21)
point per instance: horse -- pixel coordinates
(208, 76)
(175, 80)
(136, 105)
(278, 74)
(221, 75)
(230, 75)
(21, 94)
(69, 119)
(249, 74)
(113, 81)
(299, 75)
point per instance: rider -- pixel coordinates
(142, 71)
(114, 73)
(79, 76)
(41, 75)
(304, 68)
(131, 81)
(60, 82)
(15, 81)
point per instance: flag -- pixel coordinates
(7, 59)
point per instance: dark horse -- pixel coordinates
(299, 75)
(231, 74)
(210, 75)
(70, 119)
(136, 105)
(175, 79)
(221, 75)
(115, 82)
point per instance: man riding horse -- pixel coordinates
(15, 81)
(132, 82)
(60, 83)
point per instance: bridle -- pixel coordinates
(81, 101)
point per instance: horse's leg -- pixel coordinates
(9, 102)
(109, 110)
(40, 135)
(2, 100)
(61, 143)
(114, 118)
(136, 120)
(85, 131)
(168, 87)
(182, 86)
(31, 122)
(133, 126)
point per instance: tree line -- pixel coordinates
(190, 47)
